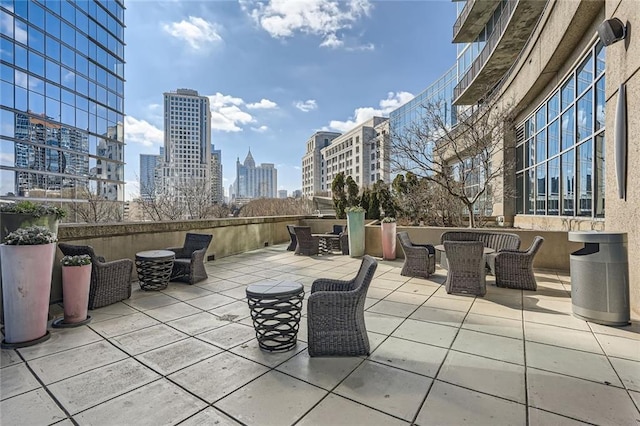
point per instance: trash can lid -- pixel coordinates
(597, 237)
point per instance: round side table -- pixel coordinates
(275, 311)
(154, 268)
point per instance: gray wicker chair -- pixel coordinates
(188, 265)
(292, 235)
(335, 314)
(110, 281)
(466, 267)
(514, 269)
(419, 259)
(344, 241)
(308, 245)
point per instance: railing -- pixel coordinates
(488, 49)
(463, 16)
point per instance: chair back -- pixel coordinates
(193, 242)
(73, 250)
(464, 256)
(337, 229)
(303, 234)
(403, 237)
(365, 274)
(292, 231)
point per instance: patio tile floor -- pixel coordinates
(188, 355)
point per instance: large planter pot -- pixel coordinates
(26, 278)
(75, 293)
(388, 240)
(10, 222)
(355, 224)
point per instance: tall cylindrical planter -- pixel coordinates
(26, 279)
(75, 292)
(388, 232)
(355, 224)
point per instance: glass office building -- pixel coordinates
(62, 100)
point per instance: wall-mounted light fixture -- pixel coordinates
(611, 30)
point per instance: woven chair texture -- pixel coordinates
(495, 240)
(188, 266)
(335, 314)
(292, 235)
(308, 245)
(419, 259)
(466, 267)
(514, 269)
(110, 281)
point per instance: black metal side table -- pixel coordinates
(154, 268)
(275, 311)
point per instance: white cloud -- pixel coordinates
(360, 115)
(260, 129)
(196, 31)
(324, 18)
(142, 132)
(263, 104)
(306, 106)
(226, 114)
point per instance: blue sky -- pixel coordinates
(277, 71)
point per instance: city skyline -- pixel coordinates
(266, 75)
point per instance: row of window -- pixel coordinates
(560, 158)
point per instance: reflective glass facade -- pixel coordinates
(62, 99)
(560, 148)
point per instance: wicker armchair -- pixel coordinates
(344, 241)
(466, 267)
(292, 235)
(335, 314)
(514, 269)
(419, 259)
(110, 281)
(308, 245)
(188, 265)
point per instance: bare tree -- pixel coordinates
(467, 160)
(187, 199)
(95, 208)
(277, 207)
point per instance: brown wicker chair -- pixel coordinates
(466, 267)
(419, 259)
(188, 265)
(308, 245)
(292, 235)
(335, 314)
(110, 281)
(514, 269)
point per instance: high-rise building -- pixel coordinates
(62, 103)
(217, 192)
(255, 182)
(149, 164)
(187, 144)
(312, 164)
(282, 193)
(360, 153)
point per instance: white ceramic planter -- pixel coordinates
(26, 287)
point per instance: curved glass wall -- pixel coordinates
(62, 103)
(560, 148)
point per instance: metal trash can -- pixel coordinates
(600, 277)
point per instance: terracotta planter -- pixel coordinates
(388, 232)
(75, 292)
(355, 224)
(26, 278)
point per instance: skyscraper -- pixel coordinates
(148, 174)
(255, 182)
(62, 103)
(217, 192)
(187, 143)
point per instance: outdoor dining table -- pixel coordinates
(328, 242)
(443, 254)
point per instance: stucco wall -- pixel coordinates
(623, 66)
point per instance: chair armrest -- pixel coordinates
(506, 250)
(429, 247)
(198, 255)
(331, 304)
(121, 265)
(328, 285)
(101, 259)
